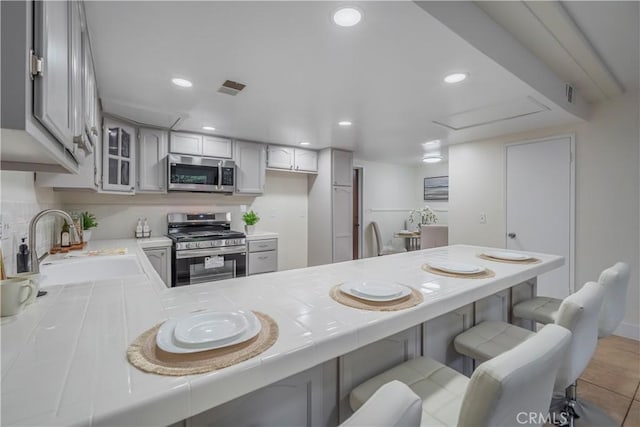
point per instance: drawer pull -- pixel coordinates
(262, 257)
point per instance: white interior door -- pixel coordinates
(540, 206)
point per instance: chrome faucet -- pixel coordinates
(35, 267)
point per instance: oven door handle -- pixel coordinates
(195, 253)
(219, 175)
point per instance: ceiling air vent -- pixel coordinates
(231, 88)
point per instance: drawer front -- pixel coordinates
(263, 262)
(263, 245)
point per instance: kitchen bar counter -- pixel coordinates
(64, 361)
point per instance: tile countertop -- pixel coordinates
(64, 357)
(261, 235)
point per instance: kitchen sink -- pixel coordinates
(88, 269)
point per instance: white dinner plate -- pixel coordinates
(209, 327)
(507, 256)
(375, 290)
(165, 338)
(456, 267)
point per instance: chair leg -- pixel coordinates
(568, 410)
(591, 414)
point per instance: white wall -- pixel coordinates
(282, 209)
(21, 200)
(388, 195)
(607, 196)
(427, 171)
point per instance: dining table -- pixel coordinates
(412, 239)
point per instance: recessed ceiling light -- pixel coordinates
(305, 143)
(345, 123)
(208, 128)
(455, 77)
(181, 82)
(432, 159)
(347, 16)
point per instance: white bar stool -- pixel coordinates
(394, 404)
(578, 313)
(519, 381)
(614, 279)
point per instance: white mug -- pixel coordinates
(14, 294)
(34, 278)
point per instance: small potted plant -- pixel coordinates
(88, 222)
(250, 219)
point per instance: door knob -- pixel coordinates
(512, 235)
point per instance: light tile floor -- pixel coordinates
(612, 379)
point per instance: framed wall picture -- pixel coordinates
(436, 188)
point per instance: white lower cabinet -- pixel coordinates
(160, 259)
(262, 256)
(304, 399)
(495, 307)
(438, 335)
(367, 362)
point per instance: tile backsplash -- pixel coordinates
(20, 202)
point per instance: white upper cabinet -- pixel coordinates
(251, 162)
(76, 77)
(53, 89)
(90, 92)
(200, 145)
(280, 157)
(186, 143)
(119, 160)
(305, 160)
(290, 158)
(213, 146)
(342, 167)
(152, 164)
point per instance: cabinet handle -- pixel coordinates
(290, 166)
(262, 257)
(297, 167)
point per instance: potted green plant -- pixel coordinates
(88, 222)
(250, 219)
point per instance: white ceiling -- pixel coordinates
(593, 45)
(303, 74)
(613, 29)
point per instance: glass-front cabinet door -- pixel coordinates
(119, 157)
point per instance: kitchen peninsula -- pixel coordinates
(64, 357)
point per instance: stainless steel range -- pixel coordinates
(205, 248)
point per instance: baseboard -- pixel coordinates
(628, 330)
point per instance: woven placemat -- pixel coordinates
(509, 261)
(144, 354)
(483, 275)
(414, 298)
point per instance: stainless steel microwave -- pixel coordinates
(205, 174)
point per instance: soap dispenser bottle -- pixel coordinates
(146, 230)
(22, 261)
(139, 228)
